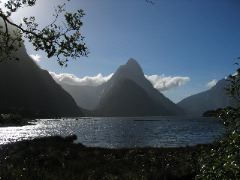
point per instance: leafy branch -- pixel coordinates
(64, 41)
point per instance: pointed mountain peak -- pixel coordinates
(131, 70)
(131, 67)
(132, 62)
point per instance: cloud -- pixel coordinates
(211, 83)
(36, 57)
(164, 83)
(71, 79)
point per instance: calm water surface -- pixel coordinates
(122, 132)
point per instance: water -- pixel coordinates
(122, 132)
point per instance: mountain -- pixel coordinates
(86, 97)
(211, 99)
(31, 91)
(129, 93)
(126, 98)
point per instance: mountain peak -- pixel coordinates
(133, 64)
(132, 61)
(130, 68)
(129, 93)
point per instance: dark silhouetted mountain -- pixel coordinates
(211, 99)
(135, 94)
(126, 98)
(29, 90)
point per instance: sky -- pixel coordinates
(195, 40)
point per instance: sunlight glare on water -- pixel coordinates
(122, 132)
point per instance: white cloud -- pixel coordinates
(211, 83)
(74, 80)
(164, 83)
(36, 57)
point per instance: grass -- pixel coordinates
(57, 158)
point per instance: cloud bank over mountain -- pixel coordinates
(160, 82)
(164, 83)
(71, 79)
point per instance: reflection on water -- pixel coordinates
(122, 132)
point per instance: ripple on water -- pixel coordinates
(122, 132)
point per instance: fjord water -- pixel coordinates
(119, 132)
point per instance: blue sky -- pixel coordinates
(199, 39)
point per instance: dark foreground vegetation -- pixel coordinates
(14, 120)
(56, 158)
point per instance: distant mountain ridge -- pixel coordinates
(31, 91)
(212, 99)
(107, 99)
(86, 97)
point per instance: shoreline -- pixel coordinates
(9, 120)
(20, 124)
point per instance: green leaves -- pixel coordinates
(223, 161)
(234, 89)
(13, 5)
(61, 39)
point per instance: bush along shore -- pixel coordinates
(14, 120)
(57, 158)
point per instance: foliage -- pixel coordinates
(59, 158)
(234, 88)
(63, 40)
(14, 120)
(223, 161)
